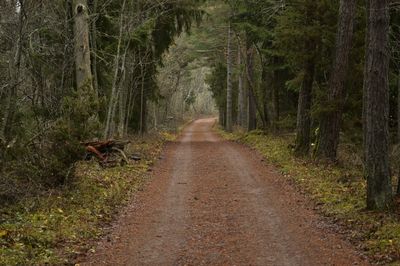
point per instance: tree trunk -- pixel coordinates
(82, 48)
(304, 106)
(14, 70)
(398, 129)
(275, 96)
(366, 58)
(305, 95)
(398, 107)
(252, 109)
(376, 107)
(131, 102)
(229, 83)
(266, 81)
(94, 47)
(222, 116)
(330, 123)
(142, 99)
(143, 117)
(123, 96)
(241, 95)
(114, 90)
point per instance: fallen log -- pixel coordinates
(103, 150)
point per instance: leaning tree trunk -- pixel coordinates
(331, 121)
(229, 83)
(82, 49)
(376, 107)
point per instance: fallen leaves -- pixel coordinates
(338, 191)
(55, 229)
(3, 233)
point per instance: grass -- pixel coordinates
(61, 225)
(338, 192)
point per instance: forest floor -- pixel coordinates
(60, 225)
(336, 191)
(216, 202)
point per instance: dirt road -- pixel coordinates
(213, 202)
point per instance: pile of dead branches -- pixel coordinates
(108, 153)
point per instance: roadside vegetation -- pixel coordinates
(322, 76)
(337, 191)
(74, 73)
(60, 225)
(314, 86)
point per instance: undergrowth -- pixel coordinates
(338, 191)
(58, 226)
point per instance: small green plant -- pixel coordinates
(54, 228)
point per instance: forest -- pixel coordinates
(312, 86)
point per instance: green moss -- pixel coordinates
(56, 227)
(338, 191)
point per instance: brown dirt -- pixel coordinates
(214, 202)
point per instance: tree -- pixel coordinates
(331, 121)
(376, 107)
(242, 95)
(58, 62)
(118, 61)
(15, 68)
(82, 47)
(229, 82)
(251, 103)
(303, 129)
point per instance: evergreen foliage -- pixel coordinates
(45, 117)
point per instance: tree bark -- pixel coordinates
(398, 129)
(266, 81)
(376, 107)
(82, 47)
(142, 98)
(366, 58)
(275, 97)
(398, 107)
(241, 95)
(252, 109)
(14, 70)
(229, 83)
(304, 106)
(94, 48)
(305, 95)
(114, 90)
(331, 122)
